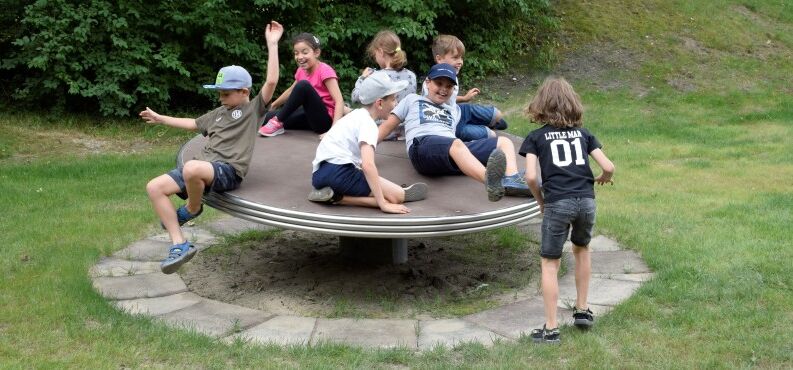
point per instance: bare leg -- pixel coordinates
(466, 161)
(197, 176)
(508, 148)
(393, 193)
(583, 271)
(159, 189)
(550, 290)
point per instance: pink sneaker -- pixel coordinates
(273, 127)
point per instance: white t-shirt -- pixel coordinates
(342, 143)
(423, 117)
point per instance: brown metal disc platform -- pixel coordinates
(279, 179)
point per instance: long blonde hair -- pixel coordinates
(556, 104)
(389, 43)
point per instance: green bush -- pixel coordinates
(117, 56)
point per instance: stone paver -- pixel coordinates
(139, 286)
(451, 332)
(370, 333)
(147, 250)
(605, 292)
(233, 225)
(114, 267)
(513, 319)
(215, 318)
(283, 330)
(132, 278)
(160, 305)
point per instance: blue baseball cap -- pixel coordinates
(443, 70)
(231, 78)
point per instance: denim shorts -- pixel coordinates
(559, 217)
(429, 154)
(345, 179)
(225, 179)
(474, 121)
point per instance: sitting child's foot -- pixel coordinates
(417, 191)
(548, 336)
(516, 186)
(499, 125)
(177, 256)
(583, 318)
(324, 195)
(183, 215)
(273, 127)
(496, 165)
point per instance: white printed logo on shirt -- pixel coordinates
(236, 114)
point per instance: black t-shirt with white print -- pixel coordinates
(564, 161)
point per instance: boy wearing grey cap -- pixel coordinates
(223, 163)
(344, 170)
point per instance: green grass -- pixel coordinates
(703, 191)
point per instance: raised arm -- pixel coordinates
(282, 99)
(605, 164)
(387, 126)
(151, 116)
(272, 34)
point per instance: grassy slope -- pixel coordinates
(694, 106)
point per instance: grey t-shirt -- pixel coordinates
(403, 74)
(423, 117)
(232, 134)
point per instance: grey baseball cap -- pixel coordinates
(231, 78)
(379, 85)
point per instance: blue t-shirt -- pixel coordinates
(423, 117)
(564, 161)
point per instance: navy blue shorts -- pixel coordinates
(429, 154)
(559, 217)
(345, 179)
(225, 179)
(474, 121)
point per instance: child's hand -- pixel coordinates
(273, 32)
(471, 94)
(150, 116)
(602, 180)
(394, 208)
(366, 72)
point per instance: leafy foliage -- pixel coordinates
(117, 56)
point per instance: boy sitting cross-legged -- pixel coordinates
(434, 150)
(344, 166)
(221, 165)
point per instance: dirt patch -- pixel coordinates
(301, 273)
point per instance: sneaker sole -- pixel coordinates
(546, 341)
(582, 323)
(516, 192)
(494, 172)
(417, 191)
(175, 265)
(276, 133)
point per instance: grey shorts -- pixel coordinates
(559, 217)
(225, 179)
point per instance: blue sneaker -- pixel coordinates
(516, 186)
(177, 256)
(183, 215)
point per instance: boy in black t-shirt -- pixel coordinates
(562, 147)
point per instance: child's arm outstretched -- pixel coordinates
(272, 34)
(387, 126)
(373, 179)
(151, 116)
(470, 95)
(605, 164)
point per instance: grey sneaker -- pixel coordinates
(496, 165)
(324, 195)
(417, 191)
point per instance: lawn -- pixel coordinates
(693, 102)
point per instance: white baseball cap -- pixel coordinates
(379, 85)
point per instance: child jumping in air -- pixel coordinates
(221, 166)
(435, 151)
(314, 101)
(562, 147)
(344, 167)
